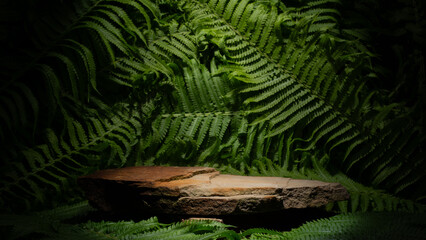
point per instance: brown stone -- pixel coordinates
(202, 191)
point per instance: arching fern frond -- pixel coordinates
(54, 164)
(164, 51)
(318, 100)
(66, 41)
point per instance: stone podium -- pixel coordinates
(202, 191)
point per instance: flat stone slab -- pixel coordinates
(202, 191)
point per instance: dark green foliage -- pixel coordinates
(277, 88)
(51, 225)
(310, 99)
(46, 222)
(363, 198)
(363, 226)
(69, 53)
(53, 164)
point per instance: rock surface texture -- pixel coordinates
(202, 191)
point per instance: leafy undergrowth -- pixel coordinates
(56, 224)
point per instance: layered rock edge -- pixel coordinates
(202, 191)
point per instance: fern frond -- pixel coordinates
(18, 108)
(53, 164)
(152, 229)
(291, 93)
(260, 233)
(62, 40)
(179, 43)
(200, 114)
(123, 228)
(67, 212)
(363, 225)
(345, 226)
(257, 62)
